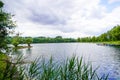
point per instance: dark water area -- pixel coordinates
(106, 57)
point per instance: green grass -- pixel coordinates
(116, 43)
(113, 42)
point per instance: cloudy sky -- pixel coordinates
(67, 18)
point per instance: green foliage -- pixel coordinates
(10, 70)
(112, 43)
(111, 35)
(15, 41)
(1, 4)
(87, 39)
(115, 33)
(6, 24)
(2, 63)
(28, 41)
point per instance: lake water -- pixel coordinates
(106, 57)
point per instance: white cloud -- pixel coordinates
(68, 18)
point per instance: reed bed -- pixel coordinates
(40, 69)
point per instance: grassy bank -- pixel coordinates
(109, 43)
(113, 42)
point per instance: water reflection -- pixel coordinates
(28, 51)
(16, 51)
(117, 54)
(116, 66)
(110, 62)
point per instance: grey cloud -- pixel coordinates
(45, 14)
(54, 15)
(46, 18)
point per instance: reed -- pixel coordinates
(40, 69)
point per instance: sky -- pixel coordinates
(66, 18)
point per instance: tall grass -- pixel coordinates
(40, 69)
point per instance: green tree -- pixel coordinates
(78, 39)
(16, 40)
(29, 41)
(6, 24)
(115, 33)
(111, 35)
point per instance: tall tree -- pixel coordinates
(6, 24)
(29, 41)
(16, 40)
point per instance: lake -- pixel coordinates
(106, 57)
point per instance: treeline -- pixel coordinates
(23, 40)
(111, 35)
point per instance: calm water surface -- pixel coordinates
(106, 57)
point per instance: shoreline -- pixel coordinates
(110, 43)
(22, 47)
